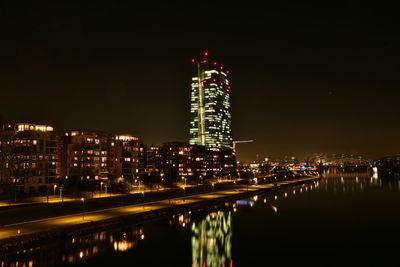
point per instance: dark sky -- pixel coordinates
(306, 78)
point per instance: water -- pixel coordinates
(341, 220)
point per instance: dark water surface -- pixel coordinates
(344, 219)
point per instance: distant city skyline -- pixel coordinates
(305, 78)
(129, 129)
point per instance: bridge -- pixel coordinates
(341, 160)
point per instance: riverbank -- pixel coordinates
(26, 234)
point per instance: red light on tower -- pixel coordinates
(205, 54)
(227, 72)
(221, 67)
(215, 63)
(204, 61)
(193, 60)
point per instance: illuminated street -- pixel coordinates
(29, 227)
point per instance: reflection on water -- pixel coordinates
(81, 248)
(212, 240)
(207, 234)
(77, 249)
(354, 182)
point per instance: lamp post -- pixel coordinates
(61, 195)
(55, 187)
(83, 208)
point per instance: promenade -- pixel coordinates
(26, 229)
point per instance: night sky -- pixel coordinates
(306, 78)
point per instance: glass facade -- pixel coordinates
(210, 120)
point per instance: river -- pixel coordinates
(343, 219)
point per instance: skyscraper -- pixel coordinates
(210, 120)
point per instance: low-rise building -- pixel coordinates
(124, 157)
(153, 159)
(28, 157)
(175, 161)
(212, 163)
(83, 155)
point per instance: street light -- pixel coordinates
(83, 208)
(61, 195)
(55, 187)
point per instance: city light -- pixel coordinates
(83, 208)
(130, 113)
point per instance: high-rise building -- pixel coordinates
(210, 109)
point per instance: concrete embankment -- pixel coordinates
(28, 234)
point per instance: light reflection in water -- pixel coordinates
(212, 240)
(355, 182)
(211, 234)
(77, 249)
(89, 246)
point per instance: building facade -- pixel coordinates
(206, 163)
(28, 157)
(153, 159)
(83, 156)
(175, 161)
(124, 157)
(210, 107)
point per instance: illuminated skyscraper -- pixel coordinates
(210, 120)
